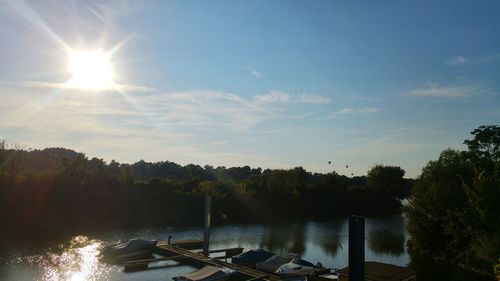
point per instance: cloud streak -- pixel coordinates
(350, 110)
(283, 97)
(435, 90)
(461, 60)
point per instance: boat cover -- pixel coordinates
(303, 263)
(274, 262)
(207, 273)
(250, 258)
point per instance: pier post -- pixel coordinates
(356, 248)
(206, 230)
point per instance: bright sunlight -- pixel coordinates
(91, 70)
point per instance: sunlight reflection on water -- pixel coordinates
(76, 261)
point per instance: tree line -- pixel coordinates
(58, 187)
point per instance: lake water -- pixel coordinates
(52, 256)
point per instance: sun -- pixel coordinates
(91, 70)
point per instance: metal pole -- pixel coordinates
(206, 232)
(356, 248)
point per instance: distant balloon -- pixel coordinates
(352, 174)
(329, 162)
(346, 166)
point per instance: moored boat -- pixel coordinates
(297, 267)
(274, 262)
(131, 249)
(252, 257)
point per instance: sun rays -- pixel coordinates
(91, 70)
(87, 64)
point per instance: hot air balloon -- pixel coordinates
(346, 166)
(329, 162)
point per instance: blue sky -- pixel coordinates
(271, 84)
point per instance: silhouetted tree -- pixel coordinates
(454, 211)
(388, 180)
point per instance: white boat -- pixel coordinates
(274, 262)
(298, 267)
(133, 248)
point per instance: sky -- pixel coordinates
(265, 83)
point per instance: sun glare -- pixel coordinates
(91, 70)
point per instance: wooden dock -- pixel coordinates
(182, 251)
(200, 259)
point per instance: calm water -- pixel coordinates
(48, 256)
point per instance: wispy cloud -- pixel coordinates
(256, 74)
(180, 126)
(435, 90)
(132, 88)
(283, 97)
(208, 108)
(461, 60)
(55, 85)
(190, 109)
(350, 110)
